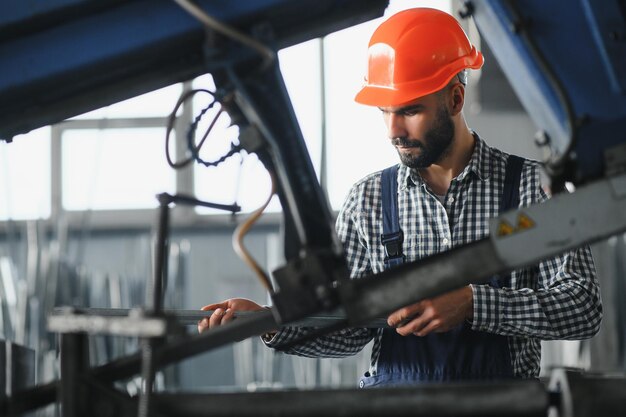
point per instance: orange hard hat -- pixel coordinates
(414, 53)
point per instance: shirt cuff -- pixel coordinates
(488, 309)
(274, 339)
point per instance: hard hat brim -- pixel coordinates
(400, 94)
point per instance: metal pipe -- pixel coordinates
(147, 378)
(74, 363)
(164, 355)
(189, 318)
(510, 398)
(187, 347)
(154, 301)
(378, 295)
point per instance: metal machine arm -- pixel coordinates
(566, 61)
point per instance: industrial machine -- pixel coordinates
(566, 61)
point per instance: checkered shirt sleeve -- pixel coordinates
(349, 341)
(557, 299)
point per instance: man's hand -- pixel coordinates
(225, 312)
(438, 314)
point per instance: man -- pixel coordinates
(448, 185)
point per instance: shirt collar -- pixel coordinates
(478, 164)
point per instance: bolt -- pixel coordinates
(542, 138)
(516, 27)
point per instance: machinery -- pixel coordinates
(566, 61)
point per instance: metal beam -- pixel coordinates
(506, 398)
(580, 116)
(565, 222)
(69, 57)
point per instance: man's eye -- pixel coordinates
(411, 112)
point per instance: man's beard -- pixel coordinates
(436, 145)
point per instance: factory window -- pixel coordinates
(240, 179)
(113, 158)
(244, 179)
(158, 103)
(114, 168)
(25, 176)
(356, 137)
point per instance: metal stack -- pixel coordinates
(17, 367)
(51, 280)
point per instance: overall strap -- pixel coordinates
(392, 236)
(512, 178)
(509, 200)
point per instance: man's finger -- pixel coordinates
(404, 315)
(215, 306)
(410, 327)
(229, 315)
(432, 326)
(203, 325)
(415, 325)
(216, 318)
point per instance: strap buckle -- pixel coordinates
(393, 244)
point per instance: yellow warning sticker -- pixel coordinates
(505, 229)
(523, 223)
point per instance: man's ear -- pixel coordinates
(456, 98)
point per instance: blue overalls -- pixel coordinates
(459, 354)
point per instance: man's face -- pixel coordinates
(422, 132)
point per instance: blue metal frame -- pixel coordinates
(61, 58)
(575, 38)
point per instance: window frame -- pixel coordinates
(181, 216)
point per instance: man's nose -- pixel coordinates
(395, 126)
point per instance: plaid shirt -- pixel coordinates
(557, 299)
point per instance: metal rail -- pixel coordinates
(91, 320)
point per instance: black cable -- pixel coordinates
(268, 54)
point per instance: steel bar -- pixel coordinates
(381, 294)
(167, 354)
(505, 398)
(147, 377)
(154, 299)
(154, 303)
(565, 222)
(186, 347)
(23, 401)
(192, 201)
(17, 367)
(131, 325)
(74, 363)
(92, 317)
